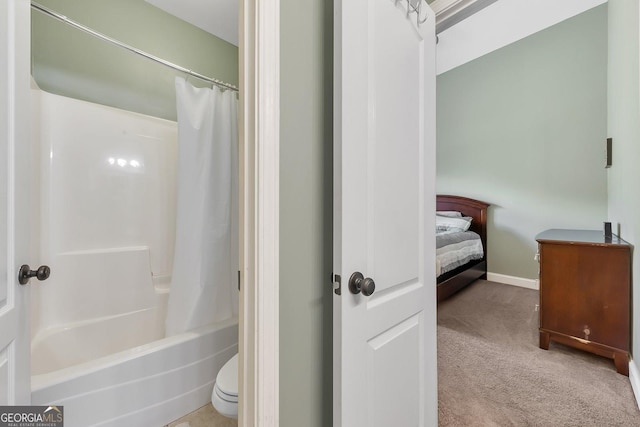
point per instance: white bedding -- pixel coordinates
(454, 249)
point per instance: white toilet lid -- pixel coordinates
(227, 379)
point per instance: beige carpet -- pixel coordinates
(492, 373)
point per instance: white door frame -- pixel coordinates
(259, 153)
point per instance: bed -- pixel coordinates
(452, 281)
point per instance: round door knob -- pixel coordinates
(368, 286)
(25, 273)
(358, 283)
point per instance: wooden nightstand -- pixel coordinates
(585, 287)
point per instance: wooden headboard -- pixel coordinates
(476, 209)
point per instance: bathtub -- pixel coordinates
(146, 386)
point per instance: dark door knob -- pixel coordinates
(358, 283)
(25, 273)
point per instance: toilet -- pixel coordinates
(225, 392)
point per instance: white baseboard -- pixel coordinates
(634, 379)
(514, 281)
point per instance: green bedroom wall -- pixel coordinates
(69, 62)
(306, 129)
(624, 128)
(524, 128)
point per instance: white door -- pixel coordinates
(14, 199)
(384, 208)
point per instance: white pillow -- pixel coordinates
(454, 214)
(446, 223)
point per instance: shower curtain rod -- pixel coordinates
(101, 36)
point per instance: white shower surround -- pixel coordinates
(107, 227)
(106, 206)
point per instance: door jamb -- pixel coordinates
(259, 115)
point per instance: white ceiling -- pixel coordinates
(500, 24)
(218, 17)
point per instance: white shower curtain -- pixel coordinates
(205, 262)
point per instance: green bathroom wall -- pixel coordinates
(624, 128)
(306, 129)
(69, 62)
(524, 128)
